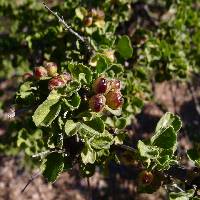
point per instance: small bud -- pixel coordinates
(92, 12)
(114, 99)
(51, 68)
(145, 177)
(40, 72)
(100, 15)
(66, 76)
(100, 85)
(88, 21)
(110, 55)
(97, 102)
(27, 75)
(115, 84)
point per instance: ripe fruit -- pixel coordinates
(40, 72)
(56, 82)
(97, 102)
(114, 99)
(88, 21)
(51, 68)
(115, 85)
(145, 177)
(100, 85)
(59, 81)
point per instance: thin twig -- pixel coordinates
(194, 97)
(33, 177)
(67, 27)
(89, 189)
(123, 146)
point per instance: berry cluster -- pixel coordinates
(107, 92)
(50, 70)
(94, 15)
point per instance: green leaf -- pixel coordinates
(147, 151)
(169, 119)
(54, 112)
(101, 64)
(102, 141)
(88, 155)
(166, 139)
(81, 12)
(124, 47)
(166, 131)
(97, 124)
(80, 72)
(120, 123)
(73, 102)
(53, 166)
(45, 110)
(194, 156)
(71, 127)
(182, 195)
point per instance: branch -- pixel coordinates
(67, 27)
(33, 177)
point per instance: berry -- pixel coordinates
(59, 81)
(115, 85)
(114, 99)
(27, 75)
(97, 102)
(40, 72)
(51, 68)
(145, 177)
(100, 85)
(88, 21)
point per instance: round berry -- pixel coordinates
(56, 82)
(145, 177)
(100, 85)
(114, 99)
(88, 21)
(115, 84)
(51, 68)
(97, 102)
(40, 72)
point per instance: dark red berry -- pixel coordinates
(115, 84)
(88, 21)
(56, 82)
(145, 177)
(100, 85)
(114, 99)
(51, 68)
(97, 102)
(59, 81)
(40, 72)
(27, 75)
